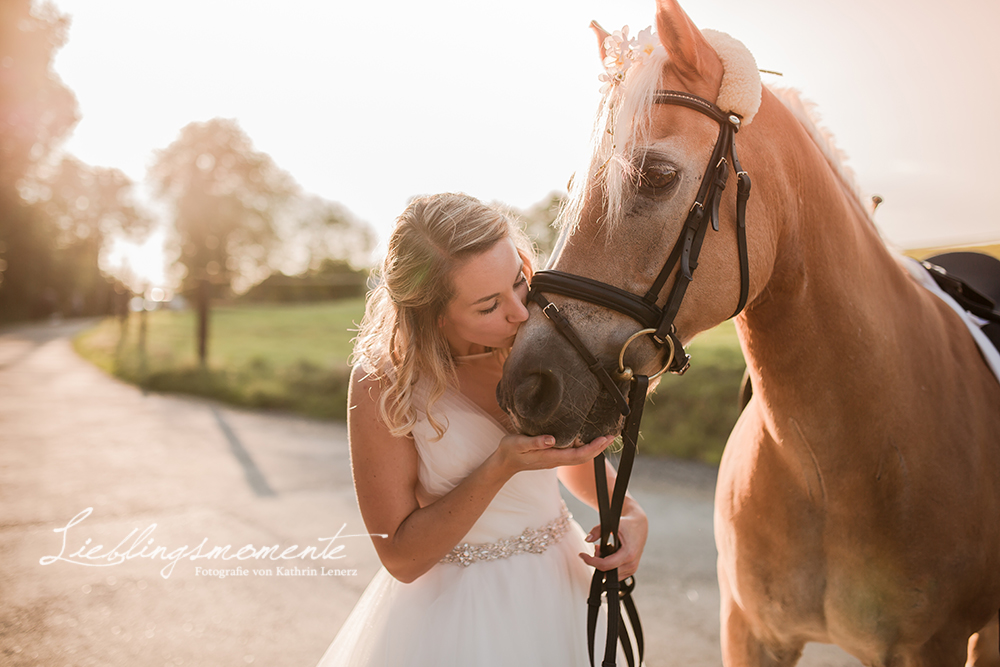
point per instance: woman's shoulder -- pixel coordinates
(366, 382)
(365, 418)
(367, 387)
(377, 371)
(364, 373)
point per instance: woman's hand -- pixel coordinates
(632, 532)
(522, 452)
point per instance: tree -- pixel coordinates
(316, 230)
(36, 113)
(225, 196)
(84, 206)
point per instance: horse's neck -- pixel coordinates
(855, 367)
(822, 339)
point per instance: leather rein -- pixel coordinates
(658, 323)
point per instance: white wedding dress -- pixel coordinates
(512, 593)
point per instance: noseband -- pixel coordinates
(658, 323)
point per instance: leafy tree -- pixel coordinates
(37, 111)
(84, 207)
(316, 230)
(86, 202)
(225, 197)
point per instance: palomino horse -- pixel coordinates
(858, 497)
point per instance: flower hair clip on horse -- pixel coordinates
(621, 52)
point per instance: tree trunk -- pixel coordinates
(203, 297)
(143, 330)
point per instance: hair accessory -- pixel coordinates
(741, 86)
(622, 52)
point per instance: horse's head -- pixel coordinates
(627, 212)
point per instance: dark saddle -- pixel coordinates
(973, 280)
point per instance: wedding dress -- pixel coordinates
(513, 592)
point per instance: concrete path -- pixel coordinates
(173, 473)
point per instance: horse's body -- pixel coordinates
(858, 495)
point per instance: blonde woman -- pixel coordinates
(482, 564)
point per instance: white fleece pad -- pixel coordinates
(741, 88)
(923, 277)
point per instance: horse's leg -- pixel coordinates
(740, 647)
(983, 646)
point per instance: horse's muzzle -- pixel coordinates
(546, 389)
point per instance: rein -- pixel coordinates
(658, 323)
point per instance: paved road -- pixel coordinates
(169, 473)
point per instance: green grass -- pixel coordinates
(294, 358)
(281, 357)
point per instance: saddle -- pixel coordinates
(973, 280)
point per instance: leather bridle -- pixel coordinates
(657, 322)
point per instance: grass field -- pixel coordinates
(284, 357)
(294, 358)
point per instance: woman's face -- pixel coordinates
(489, 302)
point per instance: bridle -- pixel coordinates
(658, 323)
(644, 309)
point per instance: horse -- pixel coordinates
(858, 494)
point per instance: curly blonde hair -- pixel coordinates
(399, 341)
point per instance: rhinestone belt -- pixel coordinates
(532, 540)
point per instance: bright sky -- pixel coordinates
(370, 103)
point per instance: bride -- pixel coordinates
(482, 563)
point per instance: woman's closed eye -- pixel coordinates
(496, 304)
(522, 280)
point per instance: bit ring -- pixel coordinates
(626, 373)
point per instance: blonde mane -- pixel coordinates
(623, 122)
(805, 112)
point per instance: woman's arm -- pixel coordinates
(633, 528)
(385, 479)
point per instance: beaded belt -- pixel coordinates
(532, 540)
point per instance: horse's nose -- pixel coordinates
(538, 396)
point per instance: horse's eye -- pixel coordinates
(655, 179)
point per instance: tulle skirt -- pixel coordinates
(526, 610)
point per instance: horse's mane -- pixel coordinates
(805, 112)
(623, 122)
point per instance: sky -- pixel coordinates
(371, 103)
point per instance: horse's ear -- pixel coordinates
(690, 53)
(602, 34)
